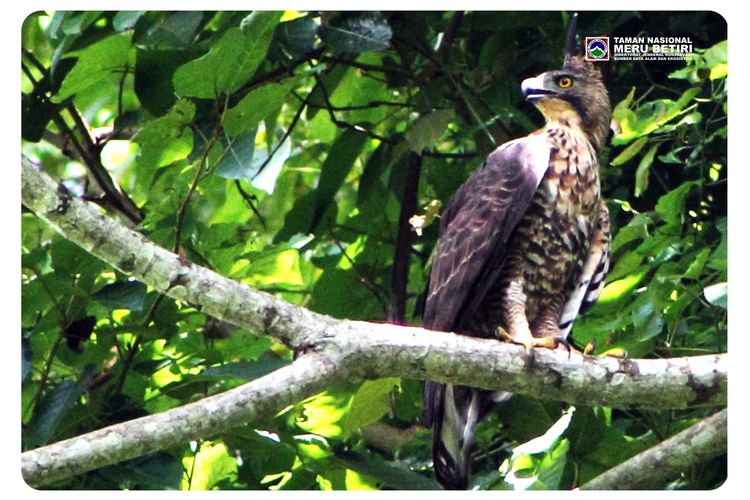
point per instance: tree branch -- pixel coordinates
(339, 349)
(652, 468)
(400, 268)
(254, 402)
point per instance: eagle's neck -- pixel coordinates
(560, 114)
(571, 183)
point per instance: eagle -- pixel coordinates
(523, 248)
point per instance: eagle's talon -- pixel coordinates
(590, 347)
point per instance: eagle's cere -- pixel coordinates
(523, 248)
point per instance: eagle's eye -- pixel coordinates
(564, 82)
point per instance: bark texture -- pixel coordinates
(652, 468)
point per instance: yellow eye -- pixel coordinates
(564, 82)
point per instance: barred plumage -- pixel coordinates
(523, 247)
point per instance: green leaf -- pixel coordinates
(237, 162)
(719, 71)
(98, 62)
(641, 174)
(295, 38)
(262, 454)
(69, 23)
(265, 179)
(324, 414)
(651, 116)
(231, 61)
(54, 405)
(330, 82)
(716, 54)
(246, 345)
(370, 403)
(125, 20)
(552, 466)
(243, 370)
(338, 164)
(671, 206)
(36, 113)
(629, 152)
(27, 356)
(275, 266)
(362, 34)
(427, 130)
(257, 105)
(697, 263)
(547, 440)
(399, 478)
(211, 464)
(173, 31)
(71, 260)
(122, 295)
(623, 105)
(167, 139)
(155, 471)
(154, 69)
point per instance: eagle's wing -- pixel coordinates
(474, 232)
(476, 226)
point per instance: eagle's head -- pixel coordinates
(575, 94)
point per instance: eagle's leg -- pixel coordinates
(514, 312)
(547, 331)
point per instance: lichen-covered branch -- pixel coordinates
(331, 350)
(133, 254)
(652, 468)
(253, 402)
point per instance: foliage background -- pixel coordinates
(278, 148)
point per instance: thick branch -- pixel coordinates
(378, 349)
(357, 350)
(251, 403)
(652, 468)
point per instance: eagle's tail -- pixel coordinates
(453, 411)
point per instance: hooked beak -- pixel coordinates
(533, 89)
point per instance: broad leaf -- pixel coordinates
(52, 408)
(427, 130)
(231, 61)
(255, 106)
(339, 162)
(361, 34)
(122, 295)
(102, 61)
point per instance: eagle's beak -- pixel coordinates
(534, 90)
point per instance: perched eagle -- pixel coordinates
(523, 248)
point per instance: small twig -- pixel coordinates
(121, 89)
(249, 200)
(366, 67)
(286, 135)
(376, 291)
(370, 105)
(45, 374)
(343, 124)
(133, 349)
(180, 217)
(449, 35)
(89, 153)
